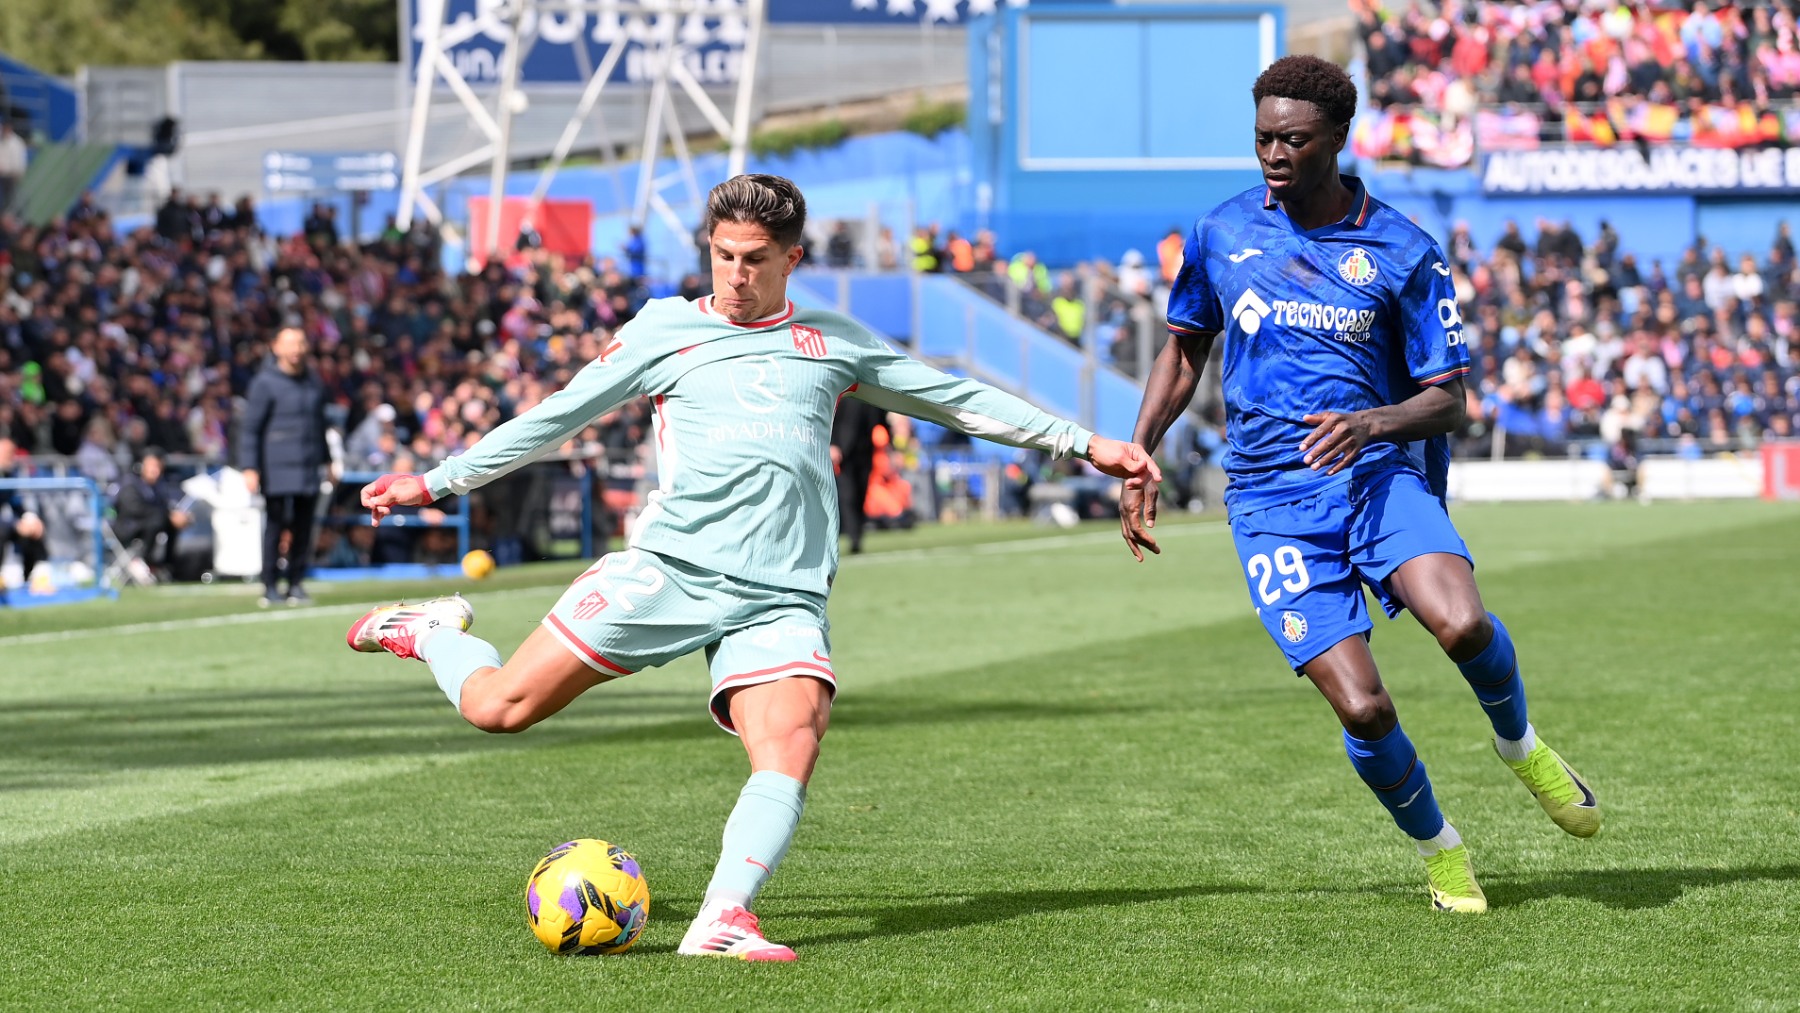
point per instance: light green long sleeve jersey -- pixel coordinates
(743, 431)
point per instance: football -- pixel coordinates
(478, 564)
(587, 896)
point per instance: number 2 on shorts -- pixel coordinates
(1288, 563)
(649, 579)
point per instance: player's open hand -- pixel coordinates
(1122, 460)
(1137, 515)
(390, 491)
(1336, 439)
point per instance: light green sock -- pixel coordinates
(756, 837)
(454, 656)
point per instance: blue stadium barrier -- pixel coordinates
(967, 333)
(96, 517)
(456, 518)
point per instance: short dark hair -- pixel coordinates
(1309, 79)
(756, 198)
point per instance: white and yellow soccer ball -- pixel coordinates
(587, 896)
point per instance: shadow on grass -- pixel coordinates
(938, 912)
(1630, 889)
(182, 728)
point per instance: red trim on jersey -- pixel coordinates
(592, 655)
(705, 304)
(662, 423)
(1444, 377)
(1368, 204)
(1177, 328)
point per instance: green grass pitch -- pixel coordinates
(1055, 779)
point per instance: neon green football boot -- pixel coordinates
(1561, 791)
(1452, 879)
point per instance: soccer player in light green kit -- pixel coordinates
(737, 548)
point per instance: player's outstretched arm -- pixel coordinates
(1173, 379)
(893, 381)
(601, 386)
(1338, 437)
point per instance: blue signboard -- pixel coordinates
(323, 171)
(567, 46)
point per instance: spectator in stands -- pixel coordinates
(887, 257)
(282, 454)
(21, 527)
(985, 253)
(637, 254)
(927, 255)
(147, 512)
(961, 253)
(1067, 308)
(320, 228)
(14, 156)
(1169, 253)
(852, 459)
(840, 248)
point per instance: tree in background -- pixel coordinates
(59, 36)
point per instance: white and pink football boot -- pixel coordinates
(396, 628)
(721, 931)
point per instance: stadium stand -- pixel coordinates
(1445, 82)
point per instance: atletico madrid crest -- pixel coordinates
(809, 341)
(589, 607)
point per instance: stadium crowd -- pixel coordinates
(1574, 340)
(114, 345)
(110, 343)
(1446, 78)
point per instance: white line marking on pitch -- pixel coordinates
(207, 622)
(1013, 545)
(1006, 547)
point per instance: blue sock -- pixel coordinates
(454, 656)
(1494, 676)
(1392, 768)
(756, 837)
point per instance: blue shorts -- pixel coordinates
(1308, 562)
(635, 609)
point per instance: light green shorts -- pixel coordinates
(635, 610)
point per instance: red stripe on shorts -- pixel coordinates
(592, 654)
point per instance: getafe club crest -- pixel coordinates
(809, 341)
(1356, 266)
(1293, 627)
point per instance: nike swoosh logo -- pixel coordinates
(1498, 702)
(1587, 796)
(1239, 258)
(1410, 801)
(820, 657)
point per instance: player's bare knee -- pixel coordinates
(1463, 631)
(1368, 717)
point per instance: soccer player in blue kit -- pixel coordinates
(1343, 367)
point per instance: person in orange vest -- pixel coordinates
(962, 253)
(1168, 255)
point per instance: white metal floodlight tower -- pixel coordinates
(670, 31)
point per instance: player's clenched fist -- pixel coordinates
(390, 491)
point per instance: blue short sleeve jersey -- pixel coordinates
(1355, 315)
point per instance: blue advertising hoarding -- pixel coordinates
(569, 45)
